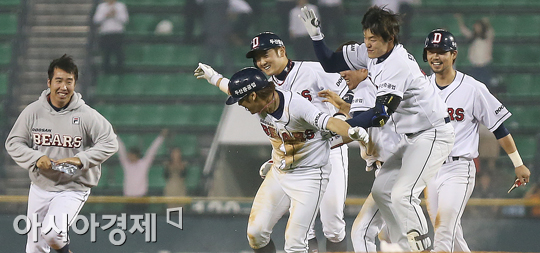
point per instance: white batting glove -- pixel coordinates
(359, 134)
(265, 168)
(312, 23)
(208, 73)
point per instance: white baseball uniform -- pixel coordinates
(469, 104)
(368, 222)
(299, 176)
(74, 131)
(421, 116)
(307, 79)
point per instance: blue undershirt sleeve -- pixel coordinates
(332, 62)
(501, 132)
(362, 119)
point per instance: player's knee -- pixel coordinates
(399, 198)
(256, 237)
(55, 240)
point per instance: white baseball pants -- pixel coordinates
(48, 204)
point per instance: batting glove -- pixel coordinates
(312, 23)
(208, 73)
(265, 168)
(359, 134)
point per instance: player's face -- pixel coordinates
(440, 61)
(252, 103)
(376, 46)
(62, 86)
(272, 61)
(353, 77)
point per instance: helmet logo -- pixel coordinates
(437, 37)
(255, 42)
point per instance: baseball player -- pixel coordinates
(59, 131)
(297, 180)
(307, 79)
(368, 223)
(469, 104)
(404, 95)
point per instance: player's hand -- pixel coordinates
(523, 174)
(44, 163)
(359, 134)
(312, 23)
(265, 168)
(208, 73)
(71, 160)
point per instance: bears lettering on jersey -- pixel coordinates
(65, 141)
(457, 114)
(288, 138)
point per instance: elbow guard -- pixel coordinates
(384, 107)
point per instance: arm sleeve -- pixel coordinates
(99, 16)
(501, 132)
(19, 142)
(152, 150)
(122, 14)
(311, 114)
(122, 153)
(392, 80)
(105, 142)
(487, 109)
(331, 61)
(362, 119)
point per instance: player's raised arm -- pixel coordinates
(212, 76)
(330, 60)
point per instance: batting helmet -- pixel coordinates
(439, 38)
(262, 42)
(244, 82)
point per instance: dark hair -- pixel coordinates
(64, 63)
(382, 22)
(136, 151)
(483, 27)
(266, 91)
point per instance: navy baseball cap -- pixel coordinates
(263, 42)
(244, 82)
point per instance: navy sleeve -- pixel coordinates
(362, 119)
(501, 132)
(332, 62)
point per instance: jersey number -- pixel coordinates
(457, 114)
(305, 93)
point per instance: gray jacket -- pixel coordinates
(76, 131)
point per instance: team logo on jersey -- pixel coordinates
(76, 121)
(499, 109)
(388, 86)
(65, 141)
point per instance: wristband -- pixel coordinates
(516, 159)
(215, 78)
(317, 37)
(341, 116)
(223, 85)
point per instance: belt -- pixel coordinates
(455, 158)
(446, 121)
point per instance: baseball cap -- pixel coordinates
(262, 42)
(244, 82)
